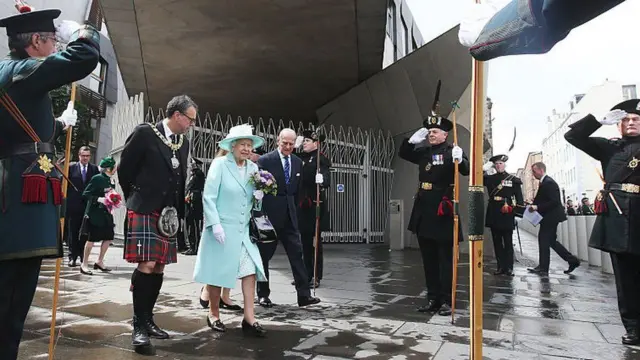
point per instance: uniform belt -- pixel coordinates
(497, 198)
(630, 188)
(431, 186)
(27, 149)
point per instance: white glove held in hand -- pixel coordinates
(299, 141)
(101, 200)
(456, 152)
(613, 117)
(218, 233)
(69, 117)
(65, 29)
(319, 179)
(418, 136)
(487, 167)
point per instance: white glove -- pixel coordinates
(218, 233)
(487, 167)
(418, 136)
(613, 117)
(65, 29)
(299, 141)
(101, 200)
(456, 152)
(69, 117)
(319, 179)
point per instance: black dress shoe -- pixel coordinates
(499, 272)
(98, 267)
(190, 252)
(445, 310)
(216, 325)
(72, 263)
(154, 330)
(307, 300)
(234, 307)
(508, 272)
(631, 338)
(203, 303)
(256, 329)
(572, 267)
(140, 338)
(533, 270)
(265, 302)
(431, 307)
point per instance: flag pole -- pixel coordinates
(476, 208)
(65, 184)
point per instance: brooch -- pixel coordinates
(633, 163)
(428, 167)
(45, 164)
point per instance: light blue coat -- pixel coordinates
(227, 201)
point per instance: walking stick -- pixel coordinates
(65, 184)
(456, 219)
(518, 232)
(321, 138)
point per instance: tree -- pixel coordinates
(82, 132)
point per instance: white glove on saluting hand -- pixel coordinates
(69, 117)
(299, 141)
(218, 233)
(65, 29)
(319, 179)
(456, 152)
(418, 136)
(613, 117)
(487, 167)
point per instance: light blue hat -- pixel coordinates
(244, 131)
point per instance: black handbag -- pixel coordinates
(84, 225)
(261, 231)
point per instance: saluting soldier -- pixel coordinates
(432, 214)
(195, 212)
(505, 193)
(311, 178)
(617, 226)
(30, 184)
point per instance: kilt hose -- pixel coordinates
(143, 242)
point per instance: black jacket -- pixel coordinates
(146, 176)
(548, 201)
(276, 206)
(75, 204)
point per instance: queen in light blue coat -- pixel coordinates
(226, 252)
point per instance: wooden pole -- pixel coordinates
(476, 208)
(65, 185)
(316, 238)
(456, 219)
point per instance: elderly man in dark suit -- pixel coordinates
(79, 173)
(549, 204)
(281, 209)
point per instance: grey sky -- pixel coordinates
(526, 88)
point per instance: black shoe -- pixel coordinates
(508, 272)
(216, 325)
(203, 303)
(98, 267)
(499, 272)
(234, 307)
(154, 330)
(445, 310)
(534, 270)
(139, 337)
(72, 263)
(256, 329)
(293, 283)
(87, 272)
(190, 252)
(431, 307)
(307, 300)
(631, 338)
(265, 302)
(572, 267)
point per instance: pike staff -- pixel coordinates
(456, 219)
(316, 237)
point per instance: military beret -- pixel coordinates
(630, 106)
(437, 122)
(500, 157)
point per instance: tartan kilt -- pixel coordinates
(143, 230)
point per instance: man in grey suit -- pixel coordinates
(281, 210)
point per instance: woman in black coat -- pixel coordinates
(98, 224)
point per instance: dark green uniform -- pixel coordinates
(29, 185)
(194, 208)
(100, 219)
(307, 206)
(615, 233)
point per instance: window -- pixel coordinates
(98, 77)
(407, 42)
(95, 15)
(629, 92)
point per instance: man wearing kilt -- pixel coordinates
(152, 174)
(30, 183)
(617, 206)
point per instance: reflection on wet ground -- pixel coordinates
(368, 312)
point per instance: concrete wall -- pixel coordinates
(400, 97)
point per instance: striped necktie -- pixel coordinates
(287, 170)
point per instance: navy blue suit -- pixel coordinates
(75, 208)
(281, 210)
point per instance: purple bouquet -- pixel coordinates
(264, 183)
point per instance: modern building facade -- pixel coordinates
(577, 174)
(529, 183)
(101, 90)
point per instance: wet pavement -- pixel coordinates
(368, 311)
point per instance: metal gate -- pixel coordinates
(361, 176)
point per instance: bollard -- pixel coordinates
(581, 237)
(560, 234)
(595, 255)
(571, 233)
